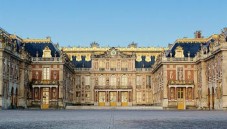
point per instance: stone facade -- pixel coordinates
(190, 73)
(192, 79)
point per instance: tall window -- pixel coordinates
(101, 64)
(87, 80)
(46, 73)
(78, 80)
(138, 80)
(148, 81)
(102, 80)
(124, 80)
(113, 80)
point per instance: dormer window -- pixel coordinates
(46, 52)
(179, 52)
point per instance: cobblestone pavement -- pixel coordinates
(111, 119)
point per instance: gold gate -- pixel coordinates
(102, 98)
(45, 99)
(180, 98)
(124, 98)
(113, 98)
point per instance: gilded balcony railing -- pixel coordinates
(52, 59)
(113, 87)
(45, 82)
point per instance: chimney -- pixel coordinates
(198, 34)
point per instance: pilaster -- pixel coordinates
(1, 79)
(165, 87)
(21, 94)
(224, 79)
(204, 99)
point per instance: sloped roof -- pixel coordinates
(193, 48)
(81, 64)
(33, 48)
(144, 63)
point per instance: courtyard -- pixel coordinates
(111, 119)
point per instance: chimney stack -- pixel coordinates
(198, 34)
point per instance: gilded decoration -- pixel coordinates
(46, 52)
(47, 40)
(96, 50)
(194, 40)
(179, 52)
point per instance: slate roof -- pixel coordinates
(81, 64)
(144, 63)
(193, 48)
(33, 48)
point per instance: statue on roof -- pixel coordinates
(94, 45)
(223, 36)
(132, 45)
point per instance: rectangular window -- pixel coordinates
(46, 73)
(87, 80)
(138, 80)
(180, 93)
(148, 81)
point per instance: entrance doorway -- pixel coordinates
(124, 98)
(45, 99)
(113, 98)
(102, 98)
(181, 98)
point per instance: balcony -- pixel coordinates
(143, 69)
(45, 82)
(113, 87)
(52, 59)
(189, 59)
(82, 69)
(181, 82)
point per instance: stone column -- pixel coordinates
(117, 96)
(40, 93)
(21, 94)
(186, 93)
(33, 94)
(60, 86)
(165, 87)
(169, 94)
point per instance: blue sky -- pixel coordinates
(112, 22)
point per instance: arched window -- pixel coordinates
(113, 80)
(124, 80)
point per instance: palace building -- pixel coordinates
(188, 74)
